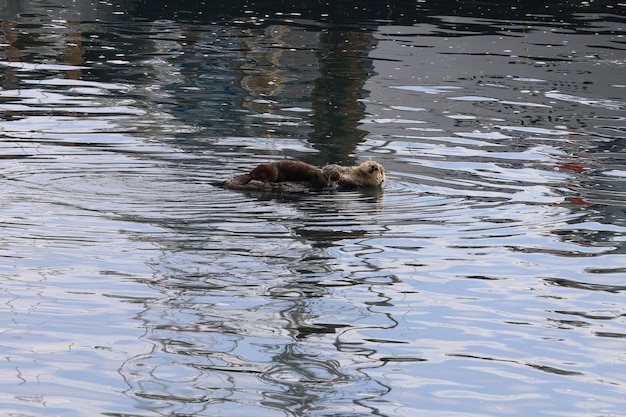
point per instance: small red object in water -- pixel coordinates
(579, 200)
(571, 166)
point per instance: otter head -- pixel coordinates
(374, 170)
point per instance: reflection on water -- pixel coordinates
(486, 278)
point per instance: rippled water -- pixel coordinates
(487, 277)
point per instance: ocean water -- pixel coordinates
(485, 278)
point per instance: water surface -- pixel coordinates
(485, 278)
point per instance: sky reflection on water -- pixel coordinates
(486, 278)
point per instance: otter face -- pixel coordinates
(373, 166)
(374, 169)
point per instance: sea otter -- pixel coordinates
(298, 177)
(284, 176)
(368, 174)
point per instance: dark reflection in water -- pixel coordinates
(486, 278)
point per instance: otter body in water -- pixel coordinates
(281, 176)
(368, 174)
(298, 177)
(285, 171)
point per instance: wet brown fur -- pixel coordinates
(284, 171)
